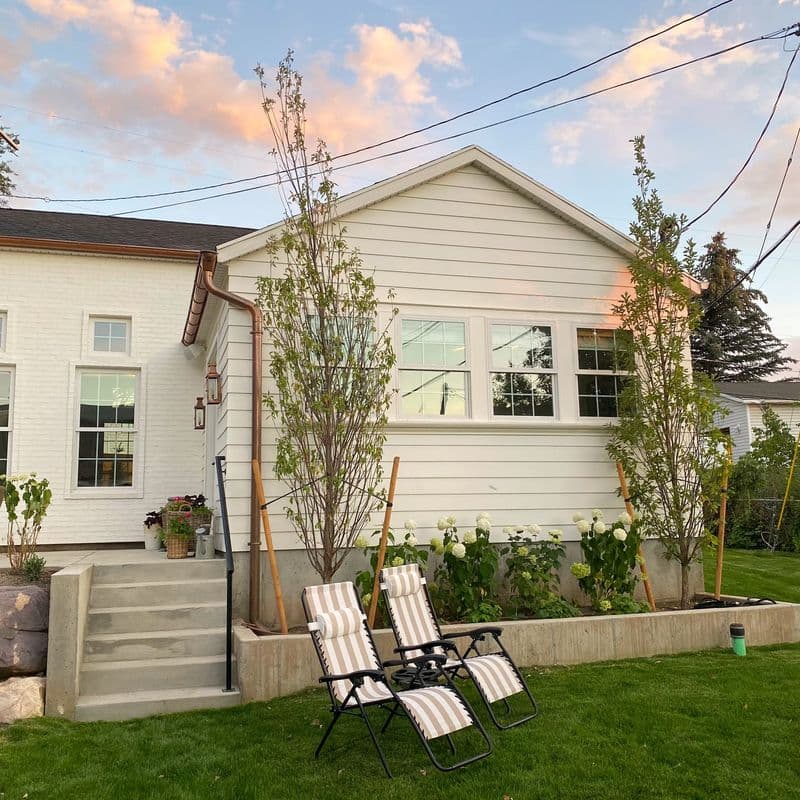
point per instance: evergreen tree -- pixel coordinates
(733, 340)
(6, 173)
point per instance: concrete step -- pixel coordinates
(133, 619)
(116, 677)
(151, 593)
(178, 569)
(155, 644)
(160, 701)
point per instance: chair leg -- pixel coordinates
(392, 714)
(375, 740)
(326, 734)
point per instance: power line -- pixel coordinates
(778, 261)
(780, 190)
(585, 96)
(384, 142)
(755, 146)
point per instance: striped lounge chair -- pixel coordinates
(417, 631)
(356, 679)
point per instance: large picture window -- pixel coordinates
(106, 427)
(601, 370)
(434, 375)
(522, 378)
(5, 419)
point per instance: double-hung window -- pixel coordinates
(601, 370)
(5, 418)
(433, 369)
(107, 427)
(522, 375)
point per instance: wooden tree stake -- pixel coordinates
(273, 563)
(723, 511)
(648, 589)
(789, 481)
(387, 516)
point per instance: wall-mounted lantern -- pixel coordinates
(213, 387)
(199, 415)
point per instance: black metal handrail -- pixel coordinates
(226, 535)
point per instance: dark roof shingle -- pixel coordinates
(761, 390)
(99, 229)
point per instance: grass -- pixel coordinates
(706, 725)
(756, 573)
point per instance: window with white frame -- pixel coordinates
(5, 419)
(601, 370)
(433, 369)
(107, 430)
(521, 370)
(110, 335)
(3, 329)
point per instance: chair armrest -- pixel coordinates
(421, 661)
(356, 677)
(426, 647)
(476, 633)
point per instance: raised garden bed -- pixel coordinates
(274, 666)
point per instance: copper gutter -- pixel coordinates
(203, 286)
(19, 242)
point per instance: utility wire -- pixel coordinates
(777, 263)
(780, 190)
(755, 146)
(393, 139)
(777, 35)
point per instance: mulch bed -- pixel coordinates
(9, 578)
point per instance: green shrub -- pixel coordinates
(33, 568)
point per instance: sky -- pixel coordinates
(113, 98)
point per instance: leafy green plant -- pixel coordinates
(532, 574)
(180, 526)
(26, 499)
(463, 588)
(404, 552)
(610, 554)
(33, 568)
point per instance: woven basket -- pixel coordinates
(195, 520)
(177, 547)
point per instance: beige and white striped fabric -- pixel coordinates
(347, 647)
(415, 624)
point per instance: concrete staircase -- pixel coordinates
(155, 640)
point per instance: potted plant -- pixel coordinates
(178, 534)
(153, 530)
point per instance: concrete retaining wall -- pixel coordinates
(274, 666)
(69, 606)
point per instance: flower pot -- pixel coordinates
(177, 547)
(152, 537)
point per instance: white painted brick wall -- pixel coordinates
(48, 297)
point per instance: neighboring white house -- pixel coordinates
(505, 380)
(745, 400)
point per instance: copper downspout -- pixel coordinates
(207, 265)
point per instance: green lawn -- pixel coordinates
(756, 573)
(707, 725)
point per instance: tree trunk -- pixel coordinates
(685, 574)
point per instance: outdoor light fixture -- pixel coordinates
(199, 415)
(213, 389)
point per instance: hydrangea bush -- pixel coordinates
(610, 551)
(26, 500)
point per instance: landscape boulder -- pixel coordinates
(21, 698)
(24, 613)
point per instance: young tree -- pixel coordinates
(665, 437)
(330, 363)
(6, 173)
(733, 340)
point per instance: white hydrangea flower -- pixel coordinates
(436, 543)
(533, 530)
(459, 551)
(597, 513)
(620, 534)
(600, 526)
(555, 534)
(470, 537)
(397, 561)
(604, 605)
(583, 526)
(577, 517)
(410, 525)
(411, 540)
(451, 521)
(625, 518)
(483, 524)
(361, 542)
(442, 524)
(483, 516)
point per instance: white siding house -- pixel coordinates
(744, 402)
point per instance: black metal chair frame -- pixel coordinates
(342, 708)
(460, 670)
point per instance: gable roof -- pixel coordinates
(68, 231)
(467, 156)
(756, 391)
